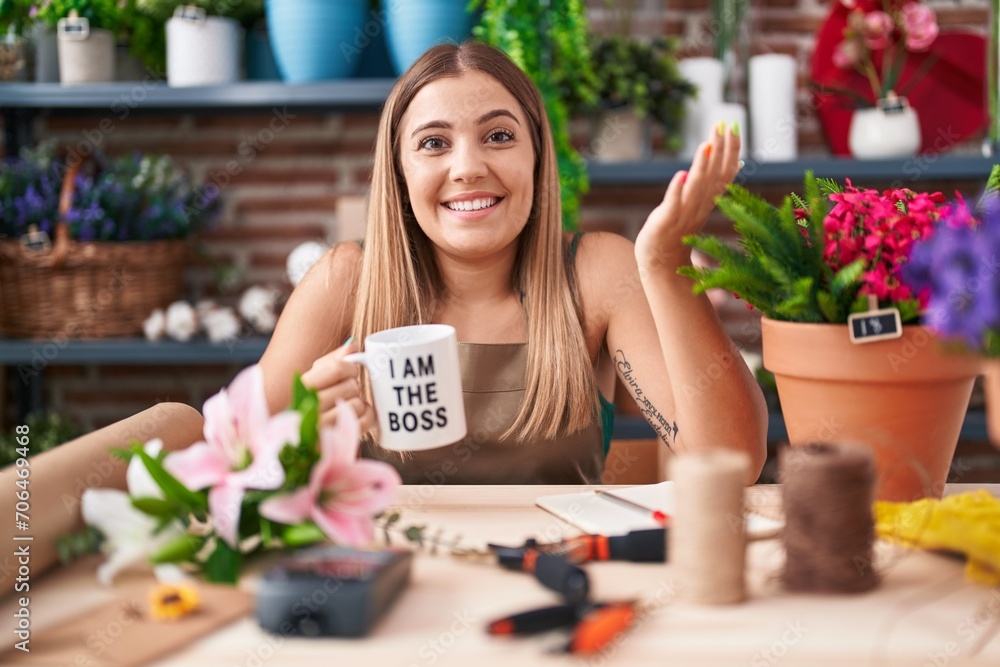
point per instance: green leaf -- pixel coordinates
(847, 277)
(991, 343)
(302, 534)
(156, 506)
(993, 182)
(828, 186)
(299, 391)
(223, 564)
(860, 303)
(179, 550)
(189, 499)
(121, 454)
(909, 311)
(830, 307)
(309, 428)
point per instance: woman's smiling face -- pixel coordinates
(468, 161)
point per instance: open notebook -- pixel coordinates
(596, 514)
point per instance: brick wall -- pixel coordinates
(281, 177)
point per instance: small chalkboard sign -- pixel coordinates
(891, 104)
(190, 13)
(873, 325)
(36, 240)
(76, 28)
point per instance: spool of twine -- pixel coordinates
(707, 543)
(829, 529)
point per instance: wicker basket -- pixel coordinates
(85, 289)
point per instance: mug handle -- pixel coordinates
(357, 358)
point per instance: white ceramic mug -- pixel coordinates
(416, 382)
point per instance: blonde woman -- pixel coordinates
(464, 228)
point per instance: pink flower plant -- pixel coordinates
(879, 35)
(824, 255)
(870, 225)
(256, 481)
(240, 450)
(343, 493)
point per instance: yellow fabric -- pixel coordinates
(967, 523)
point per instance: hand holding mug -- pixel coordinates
(336, 379)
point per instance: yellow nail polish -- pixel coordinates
(720, 127)
(736, 129)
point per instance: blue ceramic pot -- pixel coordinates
(414, 26)
(260, 57)
(315, 40)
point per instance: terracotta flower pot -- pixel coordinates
(905, 398)
(991, 389)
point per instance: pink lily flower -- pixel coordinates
(344, 493)
(240, 450)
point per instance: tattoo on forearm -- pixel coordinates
(664, 428)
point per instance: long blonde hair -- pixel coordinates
(400, 284)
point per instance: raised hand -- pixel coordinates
(689, 198)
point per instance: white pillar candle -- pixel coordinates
(729, 114)
(773, 126)
(706, 75)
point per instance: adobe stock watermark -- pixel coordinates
(665, 591)
(432, 650)
(779, 648)
(46, 352)
(372, 29)
(249, 148)
(971, 633)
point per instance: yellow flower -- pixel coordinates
(171, 601)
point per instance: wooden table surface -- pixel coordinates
(922, 614)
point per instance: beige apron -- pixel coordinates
(493, 385)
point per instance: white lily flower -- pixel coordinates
(129, 538)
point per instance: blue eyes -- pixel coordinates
(437, 143)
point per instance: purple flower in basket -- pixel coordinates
(134, 198)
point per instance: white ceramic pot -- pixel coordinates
(888, 130)
(620, 136)
(203, 51)
(87, 57)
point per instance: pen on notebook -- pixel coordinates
(657, 516)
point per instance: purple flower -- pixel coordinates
(956, 270)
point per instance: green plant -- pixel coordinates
(47, 430)
(246, 12)
(820, 257)
(643, 75)
(147, 38)
(548, 40)
(15, 16)
(147, 19)
(731, 47)
(106, 14)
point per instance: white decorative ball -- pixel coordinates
(301, 259)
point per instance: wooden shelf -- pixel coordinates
(908, 172)
(112, 98)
